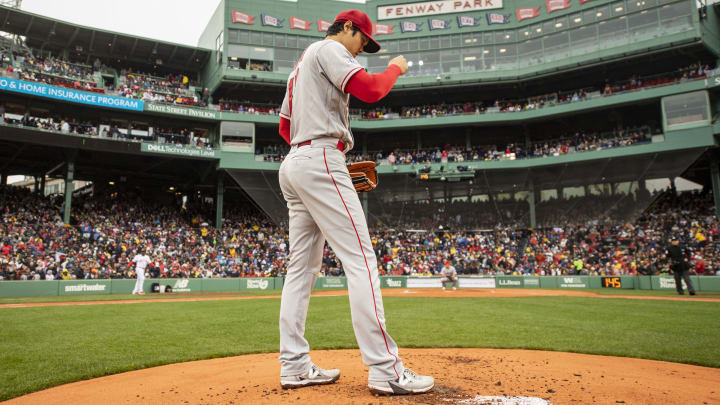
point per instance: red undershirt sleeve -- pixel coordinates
(285, 129)
(372, 88)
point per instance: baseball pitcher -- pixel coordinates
(322, 200)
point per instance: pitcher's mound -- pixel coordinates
(463, 376)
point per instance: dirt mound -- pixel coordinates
(463, 376)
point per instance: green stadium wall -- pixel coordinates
(199, 285)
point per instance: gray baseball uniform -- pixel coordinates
(323, 204)
(449, 275)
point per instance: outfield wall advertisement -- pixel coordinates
(74, 96)
(200, 285)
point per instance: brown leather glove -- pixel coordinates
(363, 175)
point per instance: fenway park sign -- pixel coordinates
(435, 7)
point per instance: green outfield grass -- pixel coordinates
(47, 346)
(648, 293)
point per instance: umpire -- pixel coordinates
(679, 266)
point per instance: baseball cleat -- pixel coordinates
(443, 288)
(313, 376)
(454, 288)
(408, 383)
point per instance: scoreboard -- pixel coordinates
(611, 282)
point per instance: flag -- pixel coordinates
(272, 21)
(555, 5)
(238, 17)
(383, 29)
(525, 13)
(409, 26)
(299, 24)
(495, 18)
(436, 24)
(323, 25)
(465, 21)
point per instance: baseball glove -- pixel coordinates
(363, 175)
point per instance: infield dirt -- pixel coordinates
(461, 374)
(400, 292)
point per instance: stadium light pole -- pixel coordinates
(69, 175)
(715, 177)
(219, 201)
(531, 203)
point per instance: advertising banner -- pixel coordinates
(169, 149)
(435, 7)
(409, 26)
(184, 111)
(509, 281)
(393, 282)
(331, 282)
(466, 21)
(525, 13)
(382, 29)
(555, 5)
(436, 24)
(84, 287)
(271, 21)
(264, 283)
(323, 25)
(668, 282)
(180, 284)
(298, 24)
(476, 282)
(495, 18)
(242, 18)
(74, 96)
(424, 282)
(531, 282)
(573, 282)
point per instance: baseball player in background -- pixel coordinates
(323, 204)
(141, 261)
(449, 275)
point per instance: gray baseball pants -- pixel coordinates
(323, 204)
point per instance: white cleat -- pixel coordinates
(313, 376)
(443, 288)
(408, 383)
(454, 288)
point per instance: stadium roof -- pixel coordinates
(54, 35)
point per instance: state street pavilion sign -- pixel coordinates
(435, 7)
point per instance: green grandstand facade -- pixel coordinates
(458, 52)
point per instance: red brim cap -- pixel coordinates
(364, 24)
(372, 45)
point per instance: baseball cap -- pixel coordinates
(363, 23)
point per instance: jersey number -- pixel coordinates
(291, 86)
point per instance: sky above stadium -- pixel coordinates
(179, 21)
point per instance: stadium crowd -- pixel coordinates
(579, 141)
(65, 125)
(107, 232)
(692, 72)
(171, 89)
(57, 72)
